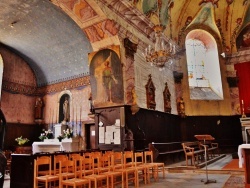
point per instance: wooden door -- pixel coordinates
(90, 136)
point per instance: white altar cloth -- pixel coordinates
(240, 153)
(52, 146)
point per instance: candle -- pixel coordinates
(80, 114)
(49, 115)
(76, 114)
(75, 130)
(56, 116)
(242, 102)
(73, 115)
(52, 117)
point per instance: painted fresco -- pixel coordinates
(106, 78)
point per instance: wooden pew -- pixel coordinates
(192, 150)
(195, 151)
(163, 150)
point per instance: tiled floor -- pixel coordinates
(186, 178)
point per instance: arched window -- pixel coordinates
(203, 66)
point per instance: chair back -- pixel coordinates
(87, 166)
(139, 158)
(148, 157)
(42, 166)
(128, 158)
(72, 156)
(57, 159)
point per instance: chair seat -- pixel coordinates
(67, 174)
(95, 176)
(75, 181)
(47, 177)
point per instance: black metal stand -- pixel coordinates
(207, 180)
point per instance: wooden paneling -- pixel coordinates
(32, 132)
(164, 127)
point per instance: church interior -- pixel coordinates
(81, 76)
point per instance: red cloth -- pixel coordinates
(243, 73)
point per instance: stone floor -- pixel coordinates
(191, 178)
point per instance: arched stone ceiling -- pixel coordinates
(57, 46)
(47, 38)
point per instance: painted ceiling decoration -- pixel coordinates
(55, 36)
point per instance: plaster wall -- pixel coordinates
(16, 106)
(79, 107)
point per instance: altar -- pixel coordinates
(53, 145)
(244, 159)
(245, 124)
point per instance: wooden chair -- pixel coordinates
(87, 166)
(105, 161)
(40, 163)
(57, 159)
(96, 177)
(142, 169)
(74, 155)
(159, 167)
(129, 161)
(130, 172)
(115, 177)
(118, 160)
(76, 180)
(87, 154)
(66, 169)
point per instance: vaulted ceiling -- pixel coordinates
(55, 36)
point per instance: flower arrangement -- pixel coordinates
(46, 135)
(68, 133)
(21, 141)
(60, 137)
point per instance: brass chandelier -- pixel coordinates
(163, 50)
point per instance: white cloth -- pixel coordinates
(240, 153)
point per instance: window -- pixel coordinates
(203, 66)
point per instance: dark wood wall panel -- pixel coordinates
(164, 127)
(14, 130)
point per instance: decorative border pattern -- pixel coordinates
(34, 91)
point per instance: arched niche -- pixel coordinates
(60, 101)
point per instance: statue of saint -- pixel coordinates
(181, 107)
(39, 108)
(66, 109)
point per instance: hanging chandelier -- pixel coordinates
(163, 51)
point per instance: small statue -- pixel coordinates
(181, 107)
(66, 110)
(39, 108)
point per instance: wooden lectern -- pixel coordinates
(204, 138)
